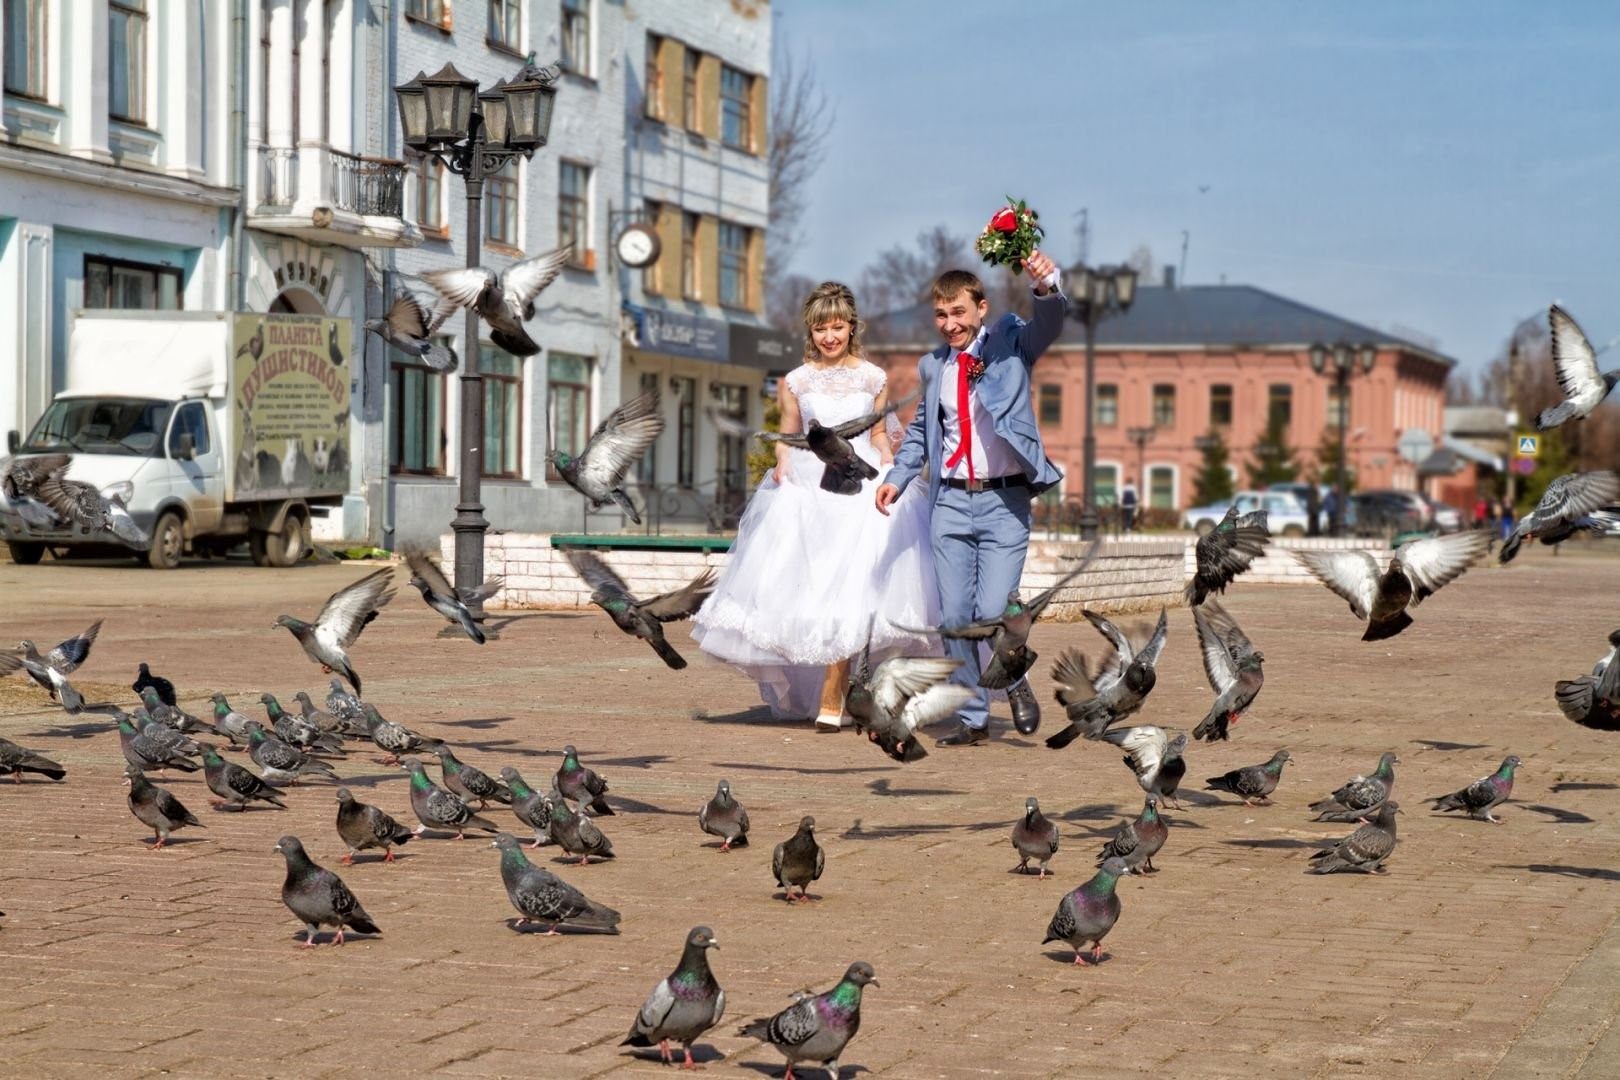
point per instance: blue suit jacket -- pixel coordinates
(1010, 350)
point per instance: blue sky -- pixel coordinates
(1445, 168)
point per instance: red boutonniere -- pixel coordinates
(975, 369)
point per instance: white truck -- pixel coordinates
(213, 428)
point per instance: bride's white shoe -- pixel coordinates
(829, 722)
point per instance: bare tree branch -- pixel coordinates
(800, 120)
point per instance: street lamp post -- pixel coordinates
(1096, 293)
(474, 135)
(1342, 359)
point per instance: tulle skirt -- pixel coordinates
(810, 575)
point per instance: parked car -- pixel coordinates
(1386, 511)
(1285, 513)
(1302, 491)
(1447, 519)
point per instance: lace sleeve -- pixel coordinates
(876, 379)
(795, 380)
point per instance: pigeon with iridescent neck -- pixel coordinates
(296, 731)
(235, 786)
(528, 806)
(1125, 677)
(144, 753)
(1085, 915)
(230, 723)
(574, 831)
(363, 826)
(1364, 850)
(1478, 799)
(581, 784)
(817, 1028)
(1138, 841)
(395, 739)
(541, 896)
(644, 619)
(1034, 836)
(1252, 783)
(318, 897)
(598, 471)
(468, 782)
(436, 808)
(684, 1005)
(1360, 796)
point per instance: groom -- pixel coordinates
(986, 463)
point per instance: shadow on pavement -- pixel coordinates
(1597, 873)
(1281, 842)
(1437, 744)
(1563, 817)
(752, 766)
(883, 787)
(1575, 785)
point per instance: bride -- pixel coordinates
(812, 572)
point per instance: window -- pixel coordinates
(573, 213)
(689, 90)
(736, 122)
(1162, 487)
(686, 433)
(118, 283)
(503, 412)
(733, 265)
(1337, 406)
(689, 257)
(1164, 405)
(576, 36)
(1280, 404)
(1051, 403)
(568, 403)
(1107, 405)
(506, 24)
(191, 419)
(1220, 405)
(1105, 484)
(647, 467)
(501, 205)
(655, 77)
(415, 417)
(433, 12)
(126, 64)
(731, 401)
(429, 175)
(25, 47)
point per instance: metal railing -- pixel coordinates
(715, 506)
(278, 176)
(366, 185)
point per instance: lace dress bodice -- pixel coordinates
(834, 395)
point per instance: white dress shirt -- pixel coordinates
(991, 455)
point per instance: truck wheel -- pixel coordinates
(287, 548)
(1293, 531)
(168, 539)
(25, 552)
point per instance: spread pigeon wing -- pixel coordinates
(1213, 627)
(1146, 745)
(489, 588)
(349, 609)
(851, 428)
(1116, 638)
(597, 574)
(1440, 560)
(523, 281)
(683, 602)
(427, 568)
(1576, 697)
(23, 475)
(1573, 358)
(1155, 645)
(905, 677)
(460, 287)
(1353, 575)
(1569, 497)
(621, 440)
(67, 656)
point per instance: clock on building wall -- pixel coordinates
(637, 246)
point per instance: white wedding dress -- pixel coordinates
(812, 572)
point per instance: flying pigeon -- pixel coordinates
(642, 618)
(71, 700)
(1364, 850)
(1252, 783)
(598, 471)
(528, 806)
(395, 739)
(684, 1005)
(581, 783)
(903, 694)
(1125, 677)
(281, 762)
(504, 301)
(843, 469)
(429, 580)
(235, 786)
(80, 504)
(361, 826)
(817, 1028)
(161, 686)
(1085, 915)
(1154, 755)
(436, 808)
(1483, 795)
(1034, 836)
(1226, 551)
(724, 816)
(345, 613)
(16, 760)
(155, 807)
(1594, 700)
(20, 477)
(409, 326)
(1575, 361)
(1572, 502)
(1233, 666)
(1360, 795)
(1138, 841)
(1418, 569)
(64, 659)
(798, 860)
(318, 897)
(470, 783)
(541, 896)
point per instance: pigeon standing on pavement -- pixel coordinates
(1572, 502)
(541, 896)
(798, 860)
(228, 722)
(64, 659)
(1359, 796)
(684, 1005)
(436, 808)
(361, 826)
(429, 580)
(1364, 850)
(1085, 915)
(409, 326)
(235, 786)
(575, 832)
(145, 753)
(172, 715)
(903, 694)
(395, 739)
(1125, 677)
(281, 762)
(1138, 841)
(724, 816)
(155, 807)
(163, 687)
(1034, 836)
(1226, 551)
(470, 783)
(817, 1028)
(17, 760)
(642, 618)
(1154, 756)
(504, 301)
(345, 706)
(1575, 363)
(317, 718)
(1594, 700)
(318, 897)
(345, 613)
(528, 806)
(1233, 666)
(1252, 783)
(1483, 795)
(581, 783)
(598, 471)
(1417, 570)
(296, 731)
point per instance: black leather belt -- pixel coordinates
(995, 483)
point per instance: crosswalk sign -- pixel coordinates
(1527, 446)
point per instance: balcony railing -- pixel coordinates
(278, 176)
(365, 185)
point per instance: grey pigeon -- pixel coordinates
(1138, 841)
(1252, 783)
(361, 826)
(1154, 755)
(230, 723)
(798, 860)
(171, 715)
(81, 505)
(1418, 569)
(318, 897)
(1034, 837)
(724, 816)
(1085, 915)
(235, 786)
(817, 1028)
(1575, 362)
(175, 742)
(843, 470)
(1364, 850)
(642, 618)
(575, 832)
(281, 762)
(1360, 795)
(618, 442)
(470, 783)
(1483, 795)
(1225, 552)
(437, 592)
(506, 300)
(155, 807)
(296, 731)
(395, 739)
(71, 700)
(1572, 502)
(528, 806)
(345, 613)
(684, 1005)
(64, 659)
(541, 896)
(1594, 700)
(409, 326)
(581, 783)
(16, 760)
(143, 753)
(345, 706)
(1125, 677)
(20, 477)
(318, 718)
(163, 687)
(436, 808)
(1233, 666)
(903, 694)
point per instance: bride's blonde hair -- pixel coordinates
(829, 302)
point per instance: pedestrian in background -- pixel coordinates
(1127, 505)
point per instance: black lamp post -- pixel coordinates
(1096, 293)
(1342, 357)
(473, 135)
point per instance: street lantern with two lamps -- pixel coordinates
(1096, 293)
(1342, 358)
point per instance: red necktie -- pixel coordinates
(964, 415)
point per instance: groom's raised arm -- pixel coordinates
(1035, 336)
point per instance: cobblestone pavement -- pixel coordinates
(1485, 947)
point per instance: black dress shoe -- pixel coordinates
(965, 736)
(1025, 709)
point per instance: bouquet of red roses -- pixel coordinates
(1014, 231)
